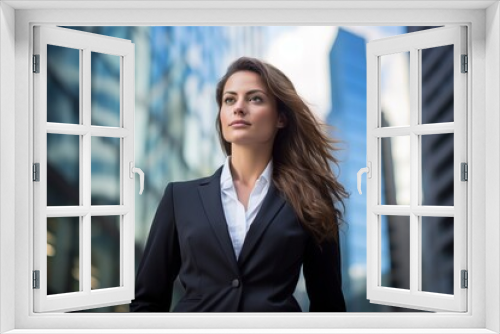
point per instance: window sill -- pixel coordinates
(247, 331)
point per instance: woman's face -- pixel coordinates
(248, 112)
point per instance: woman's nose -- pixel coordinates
(239, 108)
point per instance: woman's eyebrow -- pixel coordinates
(249, 92)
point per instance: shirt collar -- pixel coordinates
(226, 178)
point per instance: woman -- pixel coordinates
(237, 239)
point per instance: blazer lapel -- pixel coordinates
(210, 194)
(271, 205)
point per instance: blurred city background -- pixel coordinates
(177, 69)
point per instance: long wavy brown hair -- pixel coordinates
(302, 153)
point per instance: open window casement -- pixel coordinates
(83, 170)
(418, 137)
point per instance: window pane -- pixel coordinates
(395, 158)
(63, 255)
(63, 170)
(398, 239)
(395, 89)
(437, 84)
(437, 169)
(105, 171)
(105, 240)
(63, 85)
(105, 89)
(437, 254)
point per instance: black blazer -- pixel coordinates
(189, 238)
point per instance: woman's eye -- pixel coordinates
(256, 98)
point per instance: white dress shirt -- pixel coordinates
(238, 220)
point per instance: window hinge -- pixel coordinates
(465, 64)
(464, 171)
(36, 172)
(36, 63)
(465, 279)
(36, 279)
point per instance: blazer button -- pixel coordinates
(235, 283)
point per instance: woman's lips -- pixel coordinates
(239, 123)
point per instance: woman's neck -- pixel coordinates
(248, 164)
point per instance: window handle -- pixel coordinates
(141, 175)
(367, 170)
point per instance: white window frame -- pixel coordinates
(16, 126)
(413, 43)
(85, 43)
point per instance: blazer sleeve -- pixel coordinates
(322, 274)
(160, 262)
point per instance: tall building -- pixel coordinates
(348, 116)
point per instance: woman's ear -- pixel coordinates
(281, 120)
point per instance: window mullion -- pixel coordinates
(85, 275)
(122, 174)
(82, 280)
(434, 128)
(82, 104)
(127, 88)
(414, 170)
(80, 211)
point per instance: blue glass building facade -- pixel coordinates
(348, 118)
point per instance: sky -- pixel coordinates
(310, 46)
